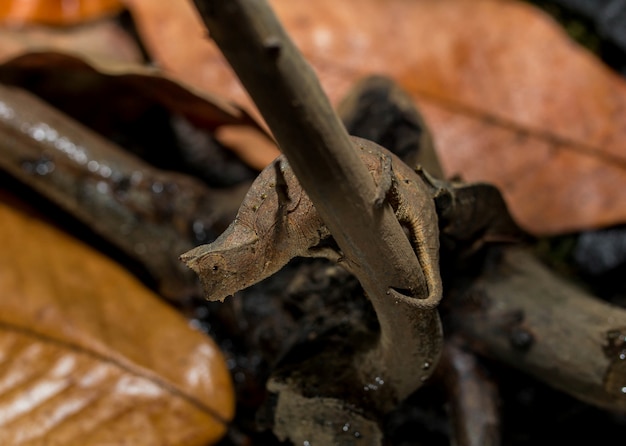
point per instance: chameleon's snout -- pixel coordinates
(226, 265)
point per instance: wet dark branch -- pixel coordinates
(147, 213)
(522, 314)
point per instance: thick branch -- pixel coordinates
(524, 315)
(120, 197)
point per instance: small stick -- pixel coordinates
(472, 398)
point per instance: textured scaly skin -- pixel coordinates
(277, 222)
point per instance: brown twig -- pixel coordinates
(472, 398)
(297, 111)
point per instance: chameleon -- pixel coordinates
(277, 222)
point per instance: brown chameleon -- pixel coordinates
(277, 222)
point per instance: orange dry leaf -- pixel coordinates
(510, 99)
(89, 356)
(56, 12)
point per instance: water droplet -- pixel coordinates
(6, 112)
(199, 231)
(136, 177)
(105, 171)
(426, 365)
(231, 363)
(615, 351)
(93, 166)
(346, 427)
(195, 324)
(74, 152)
(306, 443)
(240, 377)
(521, 339)
(44, 167)
(102, 187)
(157, 187)
(37, 132)
(357, 434)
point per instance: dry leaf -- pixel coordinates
(56, 12)
(128, 94)
(62, 77)
(509, 97)
(89, 356)
(104, 39)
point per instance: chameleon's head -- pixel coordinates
(229, 264)
(275, 223)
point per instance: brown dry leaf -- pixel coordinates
(61, 77)
(126, 93)
(56, 12)
(89, 356)
(103, 39)
(510, 99)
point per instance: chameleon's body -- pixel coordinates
(277, 222)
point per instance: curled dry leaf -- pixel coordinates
(82, 75)
(483, 72)
(128, 94)
(103, 39)
(56, 12)
(89, 356)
